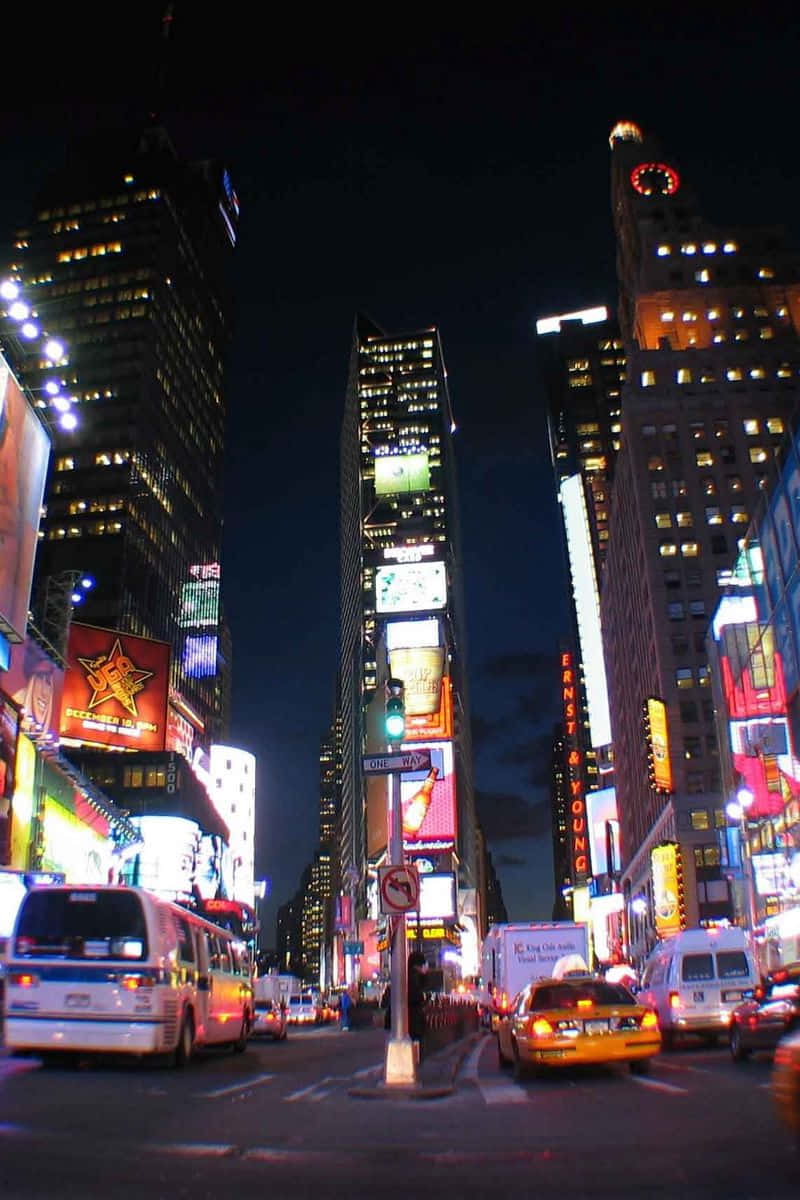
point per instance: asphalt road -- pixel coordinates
(279, 1121)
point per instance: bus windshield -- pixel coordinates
(81, 924)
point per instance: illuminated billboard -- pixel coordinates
(406, 634)
(24, 453)
(437, 896)
(9, 736)
(396, 473)
(115, 690)
(199, 659)
(35, 683)
(72, 846)
(410, 587)
(578, 831)
(199, 604)
(658, 745)
(429, 800)
(420, 669)
(666, 869)
(586, 595)
(167, 861)
(22, 807)
(424, 727)
(601, 814)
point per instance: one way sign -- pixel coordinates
(387, 764)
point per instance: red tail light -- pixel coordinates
(649, 1020)
(674, 999)
(132, 983)
(23, 979)
(541, 1027)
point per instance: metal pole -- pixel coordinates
(401, 1064)
(747, 873)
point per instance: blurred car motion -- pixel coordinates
(786, 1081)
(577, 1019)
(760, 1021)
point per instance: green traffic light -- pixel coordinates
(395, 724)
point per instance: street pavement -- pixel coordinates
(283, 1120)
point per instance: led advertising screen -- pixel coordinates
(24, 453)
(200, 656)
(35, 683)
(22, 807)
(115, 689)
(398, 473)
(406, 634)
(199, 604)
(410, 587)
(420, 668)
(601, 811)
(425, 727)
(437, 897)
(659, 745)
(664, 869)
(429, 800)
(73, 847)
(9, 736)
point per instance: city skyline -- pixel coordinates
(486, 199)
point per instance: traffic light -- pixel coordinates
(395, 720)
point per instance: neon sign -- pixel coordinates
(579, 834)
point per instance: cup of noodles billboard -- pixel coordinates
(420, 669)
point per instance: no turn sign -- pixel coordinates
(399, 889)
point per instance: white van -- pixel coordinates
(98, 969)
(695, 979)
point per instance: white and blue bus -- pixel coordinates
(116, 969)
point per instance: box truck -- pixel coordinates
(515, 954)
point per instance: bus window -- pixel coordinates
(223, 956)
(185, 942)
(82, 924)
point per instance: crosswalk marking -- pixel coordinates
(234, 1087)
(657, 1085)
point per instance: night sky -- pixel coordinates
(425, 175)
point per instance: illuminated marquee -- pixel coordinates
(666, 869)
(578, 826)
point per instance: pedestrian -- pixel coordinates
(345, 1004)
(417, 967)
(386, 1005)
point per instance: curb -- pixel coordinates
(421, 1091)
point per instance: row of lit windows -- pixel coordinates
(97, 251)
(689, 315)
(706, 375)
(698, 429)
(705, 458)
(678, 487)
(78, 507)
(685, 677)
(685, 520)
(94, 529)
(670, 549)
(690, 248)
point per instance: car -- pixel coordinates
(760, 1021)
(577, 1019)
(786, 1081)
(269, 1020)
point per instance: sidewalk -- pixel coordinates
(437, 1074)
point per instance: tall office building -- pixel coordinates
(125, 259)
(402, 611)
(709, 318)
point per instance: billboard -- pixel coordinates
(658, 739)
(9, 736)
(24, 453)
(199, 604)
(424, 631)
(429, 800)
(200, 656)
(410, 587)
(35, 683)
(397, 473)
(667, 874)
(601, 815)
(115, 689)
(437, 897)
(420, 668)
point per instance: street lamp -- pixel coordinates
(737, 810)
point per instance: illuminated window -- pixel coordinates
(739, 515)
(702, 276)
(709, 487)
(683, 677)
(663, 520)
(697, 430)
(719, 336)
(668, 549)
(655, 463)
(713, 516)
(685, 520)
(741, 335)
(766, 273)
(733, 373)
(734, 483)
(774, 425)
(699, 818)
(668, 315)
(766, 333)
(576, 381)
(784, 371)
(758, 373)
(675, 611)
(751, 427)
(689, 248)
(663, 251)
(65, 464)
(704, 458)
(689, 316)
(720, 429)
(684, 375)
(648, 378)
(709, 247)
(690, 549)
(782, 311)
(729, 248)
(679, 487)
(758, 454)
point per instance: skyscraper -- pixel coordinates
(709, 318)
(125, 259)
(402, 609)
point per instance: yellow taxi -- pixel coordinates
(577, 1019)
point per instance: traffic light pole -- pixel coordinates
(401, 1065)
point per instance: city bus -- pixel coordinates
(235, 916)
(116, 969)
